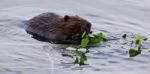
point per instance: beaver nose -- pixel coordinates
(89, 25)
(88, 28)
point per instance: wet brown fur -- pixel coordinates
(65, 28)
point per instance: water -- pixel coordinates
(21, 54)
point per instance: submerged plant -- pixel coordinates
(80, 56)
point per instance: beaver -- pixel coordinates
(55, 28)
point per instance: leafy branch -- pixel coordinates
(90, 39)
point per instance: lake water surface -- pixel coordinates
(21, 54)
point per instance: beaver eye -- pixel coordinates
(78, 20)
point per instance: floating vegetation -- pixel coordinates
(92, 39)
(137, 40)
(79, 55)
(80, 52)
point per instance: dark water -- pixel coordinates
(21, 54)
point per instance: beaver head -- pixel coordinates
(73, 27)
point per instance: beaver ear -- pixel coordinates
(66, 17)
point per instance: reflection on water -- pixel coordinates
(21, 54)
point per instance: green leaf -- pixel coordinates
(137, 42)
(76, 60)
(82, 59)
(85, 42)
(101, 36)
(139, 47)
(137, 39)
(97, 38)
(134, 52)
(94, 40)
(84, 56)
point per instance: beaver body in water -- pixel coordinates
(54, 28)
